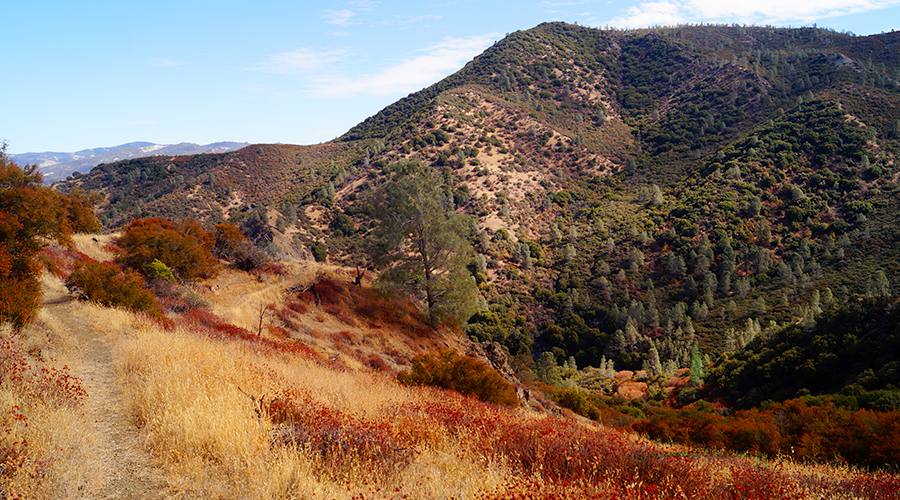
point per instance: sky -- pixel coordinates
(99, 73)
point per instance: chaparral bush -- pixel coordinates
(30, 215)
(462, 374)
(184, 246)
(108, 285)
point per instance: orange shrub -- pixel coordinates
(462, 374)
(29, 215)
(80, 213)
(233, 246)
(185, 247)
(805, 432)
(108, 285)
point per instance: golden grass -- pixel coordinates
(321, 422)
(93, 245)
(47, 431)
(187, 392)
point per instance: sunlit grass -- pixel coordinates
(46, 447)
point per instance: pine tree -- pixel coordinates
(654, 366)
(420, 244)
(696, 367)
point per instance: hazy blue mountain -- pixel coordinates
(57, 166)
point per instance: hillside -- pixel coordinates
(56, 166)
(633, 192)
(207, 405)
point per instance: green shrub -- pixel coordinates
(576, 399)
(106, 284)
(462, 374)
(320, 251)
(157, 269)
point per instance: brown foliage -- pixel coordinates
(462, 374)
(806, 433)
(29, 214)
(231, 245)
(106, 284)
(184, 246)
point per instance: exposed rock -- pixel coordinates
(493, 354)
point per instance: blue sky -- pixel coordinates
(92, 73)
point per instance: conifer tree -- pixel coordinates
(653, 364)
(696, 367)
(420, 244)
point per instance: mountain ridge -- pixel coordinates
(672, 188)
(56, 166)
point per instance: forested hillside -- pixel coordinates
(637, 199)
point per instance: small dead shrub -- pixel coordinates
(376, 362)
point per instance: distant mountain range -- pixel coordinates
(57, 166)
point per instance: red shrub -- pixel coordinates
(298, 306)
(806, 433)
(30, 214)
(376, 362)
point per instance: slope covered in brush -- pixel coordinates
(630, 192)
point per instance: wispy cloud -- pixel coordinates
(410, 75)
(364, 4)
(650, 14)
(745, 11)
(162, 62)
(301, 61)
(341, 17)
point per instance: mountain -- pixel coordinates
(640, 199)
(57, 166)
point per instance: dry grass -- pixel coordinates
(95, 245)
(46, 447)
(336, 429)
(330, 432)
(368, 330)
(187, 392)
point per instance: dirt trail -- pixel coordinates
(124, 464)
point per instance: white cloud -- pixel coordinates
(779, 12)
(411, 75)
(341, 17)
(650, 14)
(300, 61)
(364, 4)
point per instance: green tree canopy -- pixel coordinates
(420, 243)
